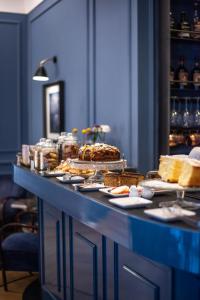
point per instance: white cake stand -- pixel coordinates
(98, 167)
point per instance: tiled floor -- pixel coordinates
(15, 289)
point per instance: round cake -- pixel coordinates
(99, 152)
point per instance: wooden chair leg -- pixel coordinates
(4, 279)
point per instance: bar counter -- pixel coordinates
(112, 251)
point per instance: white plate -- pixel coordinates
(51, 173)
(129, 202)
(107, 191)
(161, 185)
(88, 187)
(164, 214)
(71, 179)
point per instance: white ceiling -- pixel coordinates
(18, 6)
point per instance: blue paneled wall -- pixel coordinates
(13, 88)
(105, 56)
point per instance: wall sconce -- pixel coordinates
(41, 73)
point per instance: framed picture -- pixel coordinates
(53, 97)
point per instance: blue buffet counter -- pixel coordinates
(90, 249)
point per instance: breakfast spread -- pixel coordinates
(99, 152)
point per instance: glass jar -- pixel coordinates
(48, 156)
(36, 153)
(70, 147)
(60, 142)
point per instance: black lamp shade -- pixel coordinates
(41, 74)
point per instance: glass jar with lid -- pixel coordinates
(60, 141)
(36, 153)
(48, 156)
(70, 147)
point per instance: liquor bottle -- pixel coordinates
(196, 74)
(184, 26)
(182, 73)
(196, 21)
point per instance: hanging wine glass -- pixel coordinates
(187, 115)
(179, 115)
(197, 114)
(173, 114)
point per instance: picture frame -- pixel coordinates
(53, 101)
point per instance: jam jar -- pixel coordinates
(36, 153)
(70, 147)
(48, 156)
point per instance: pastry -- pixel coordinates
(120, 190)
(190, 174)
(125, 178)
(99, 152)
(170, 167)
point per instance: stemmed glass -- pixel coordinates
(179, 116)
(197, 114)
(187, 115)
(173, 115)
(180, 201)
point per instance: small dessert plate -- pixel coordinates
(107, 191)
(130, 202)
(168, 214)
(51, 173)
(70, 179)
(90, 187)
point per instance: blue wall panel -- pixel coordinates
(13, 123)
(105, 66)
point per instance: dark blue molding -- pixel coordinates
(64, 260)
(58, 256)
(94, 263)
(71, 255)
(91, 60)
(104, 267)
(41, 9)
(41, 245)
(116, 271)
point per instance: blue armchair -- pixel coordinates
(19, 250)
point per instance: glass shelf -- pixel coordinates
(185, 129)
(175, 32)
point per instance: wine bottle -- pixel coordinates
(184, 26)
(196, 21)
(196, 74)
(182, 73)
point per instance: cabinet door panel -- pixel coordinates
(142, 279)
(134, 286)
(53, 263)
(87, 263)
